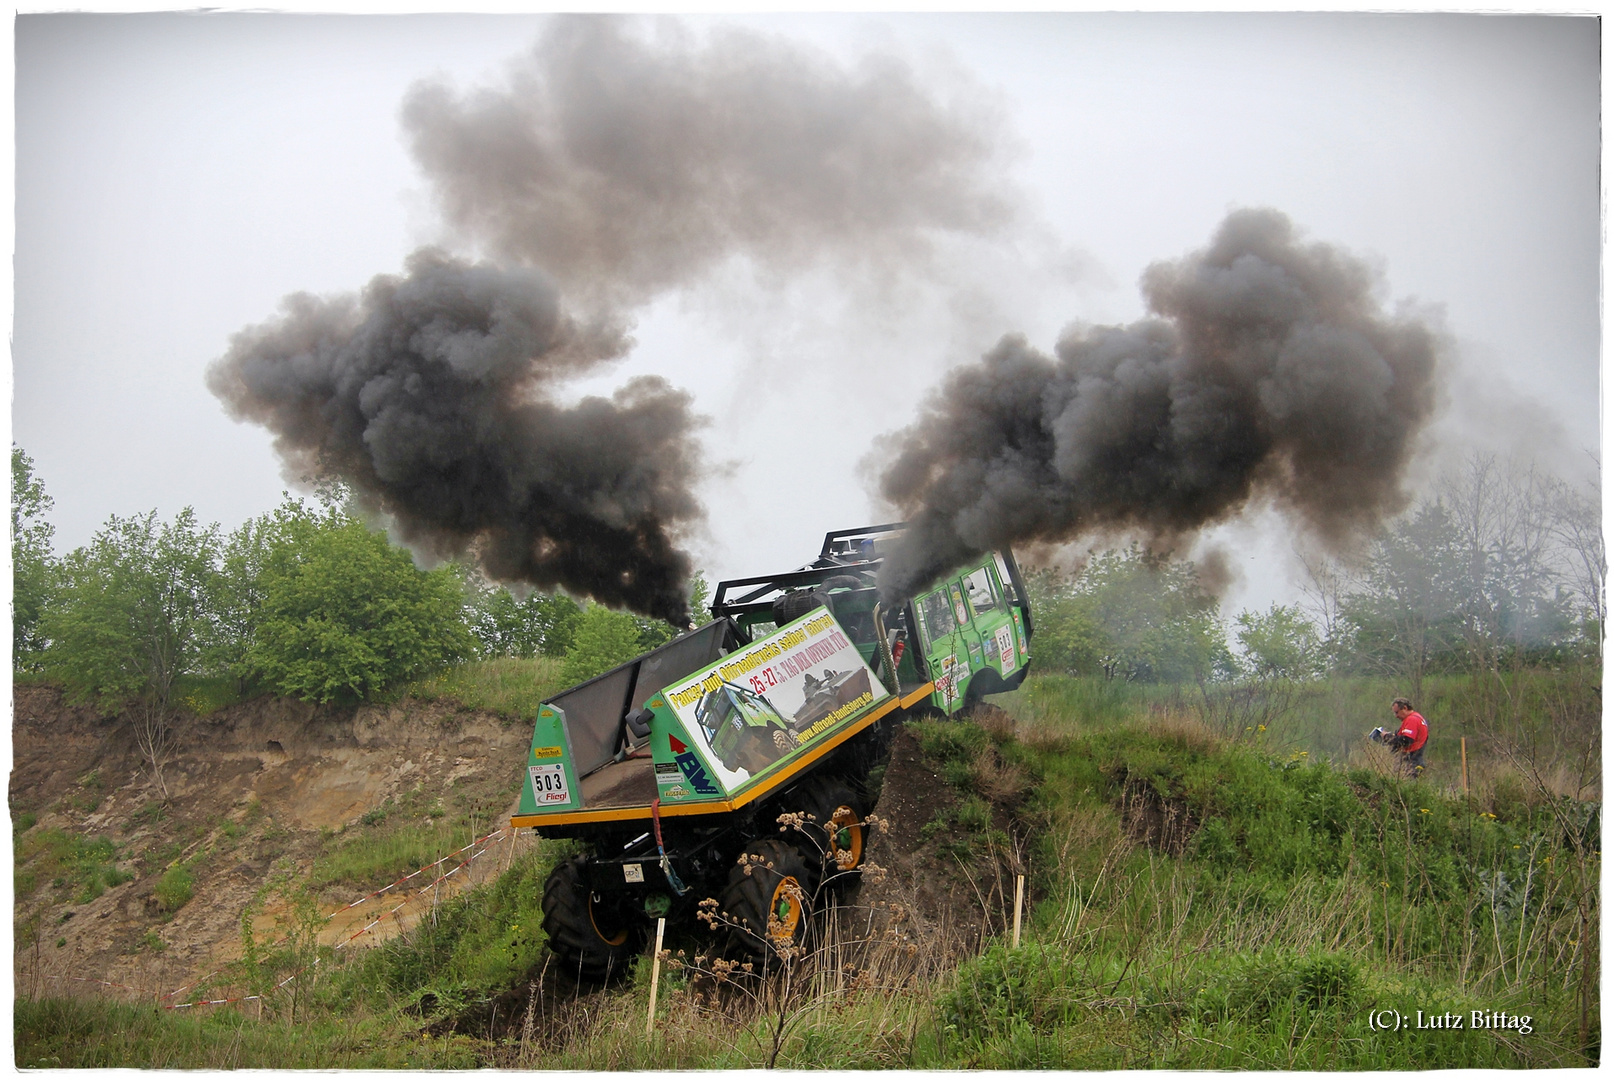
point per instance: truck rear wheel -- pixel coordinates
(769, 898)
(593, 938)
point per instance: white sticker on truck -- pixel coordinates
(1006, 647)
(549, 784)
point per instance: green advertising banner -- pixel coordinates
(758, 705)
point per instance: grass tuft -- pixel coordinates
(508, 686)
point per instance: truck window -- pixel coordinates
(1003, 576)
(938, 615)
(979, 591)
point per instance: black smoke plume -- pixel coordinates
(1270, 371)
(430, 395)
(621, 159)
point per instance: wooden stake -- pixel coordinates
(1464, 744)
(1019, 902)
(655, 978)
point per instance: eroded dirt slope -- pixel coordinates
(255, 791)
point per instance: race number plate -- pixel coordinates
(549, 784)
(1005, 639)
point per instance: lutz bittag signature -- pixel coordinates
(1474, 1020)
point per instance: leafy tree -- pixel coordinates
(130, 617)
(604, 639)
(700, 597)
(33, 566)
(1280, 644)
(238, 594)
(1406, 610)
(1504, 567)
(1512, 600)
(1158, 624)
(1132, 614)
(1068, 638)
(541, 624)
(344, 613)
(1576, 523)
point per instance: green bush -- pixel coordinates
(175, 888)
(1260, 986)
(1002, 988)
(345, 613)
(602, 639)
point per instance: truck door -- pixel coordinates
(938, 636)
(989, 612)
(972, 649)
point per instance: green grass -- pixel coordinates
(1197, 902)
(78, 868)
(204, 695)
(175, 888)
(82, 1034)
(404, 834)
(1542, 715)
(367, 857)
(508, 686)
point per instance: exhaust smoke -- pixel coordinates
(1269, 371)
(429, 395)
(628, 158)
(617, 161)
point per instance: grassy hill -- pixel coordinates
(1203, 893)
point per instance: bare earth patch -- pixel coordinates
(256, 790)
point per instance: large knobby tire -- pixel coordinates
(835, 825)
(594, 940)
(768, 899)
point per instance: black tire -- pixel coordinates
(835, 828)
(783, 741)
(594, 940)
(839, 581)
(792, 606)
(774, 879)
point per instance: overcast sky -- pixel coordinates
(177, 176)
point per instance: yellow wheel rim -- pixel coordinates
(784, 912)
(845, 838)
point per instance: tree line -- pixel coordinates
(1502, 566)
(306, 601)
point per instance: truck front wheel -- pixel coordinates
(593, 938)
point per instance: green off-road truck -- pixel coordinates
(674, 769)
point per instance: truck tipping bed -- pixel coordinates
(727, 722)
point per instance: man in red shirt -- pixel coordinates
(1410, 737)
